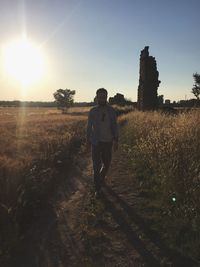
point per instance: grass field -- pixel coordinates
(34, 142)
(29, 134)
(164, 152)
(34, 134)
(38, 146)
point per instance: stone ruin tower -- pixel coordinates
(148, 82)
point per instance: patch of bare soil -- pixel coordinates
(117, 233)
(81, 230)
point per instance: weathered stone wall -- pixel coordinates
(118, 99)
(148, 82)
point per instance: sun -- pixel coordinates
(23, 61)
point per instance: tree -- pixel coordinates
(64, 98)
(196, 88)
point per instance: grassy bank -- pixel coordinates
(164, 152)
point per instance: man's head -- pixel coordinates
(101, 95)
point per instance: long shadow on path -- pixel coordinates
(125, 215)
(128, 231)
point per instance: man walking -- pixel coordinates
(102, 135)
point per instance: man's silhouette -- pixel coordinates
(102, 135)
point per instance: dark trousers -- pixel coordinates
(101, 156)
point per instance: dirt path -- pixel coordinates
(81, 230)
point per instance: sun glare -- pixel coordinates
(23, 61)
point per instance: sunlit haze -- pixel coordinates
(85, 45)
(23, 61)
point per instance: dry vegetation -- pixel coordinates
(164, 152)
(34, 144)
(38, 147)
(32, 134)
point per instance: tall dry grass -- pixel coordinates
(35, 144)
(164, 152)
(30, 134)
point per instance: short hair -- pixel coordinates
(101, 90)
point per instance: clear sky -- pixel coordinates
(88, 44)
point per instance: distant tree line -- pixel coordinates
(186, 103)
(17, 103)
(181, 103)
(64, 98)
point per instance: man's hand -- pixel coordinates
(115, 145)
(88, 146)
